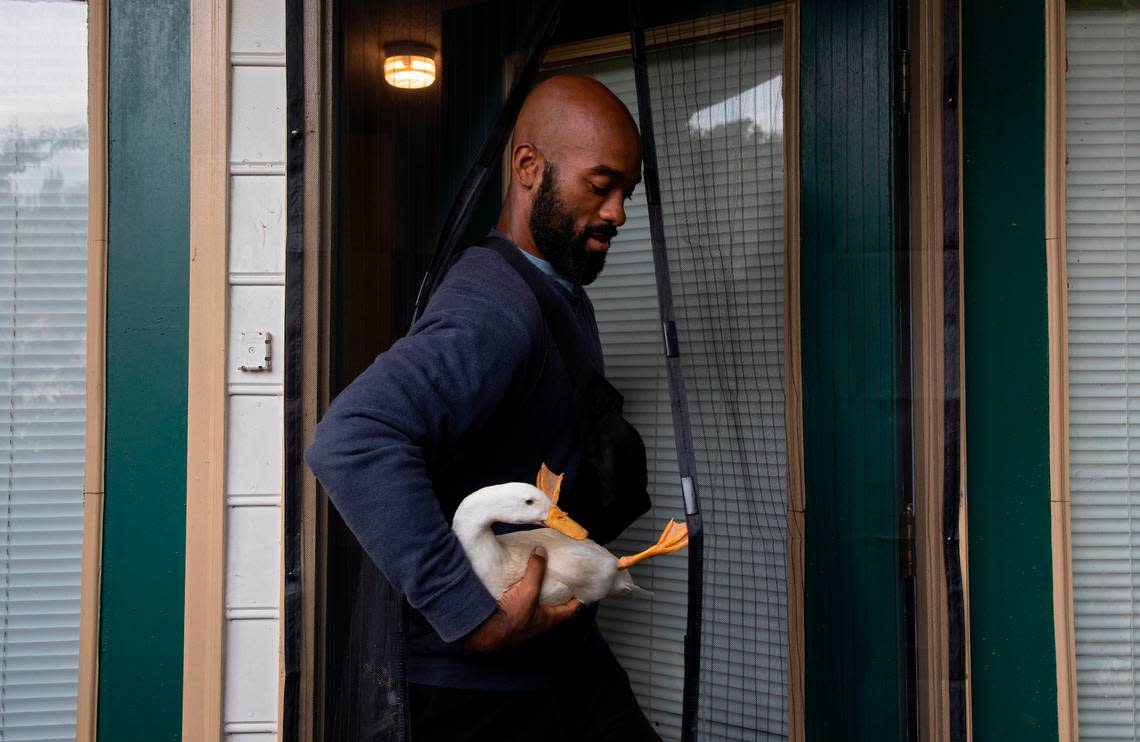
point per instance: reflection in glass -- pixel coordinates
(43, 301)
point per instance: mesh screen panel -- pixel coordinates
(646, 633)
(719, 123)
(718, 117)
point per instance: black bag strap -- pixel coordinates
(541, 32)
(554, 311)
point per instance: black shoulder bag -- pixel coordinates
(609, 489)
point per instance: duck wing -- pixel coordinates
(574, 569)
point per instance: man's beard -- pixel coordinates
(553, 231)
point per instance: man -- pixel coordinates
(478, 394)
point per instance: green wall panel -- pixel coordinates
(140, 653)
(1007, 381)
(853, 611)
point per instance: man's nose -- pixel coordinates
(613, 210)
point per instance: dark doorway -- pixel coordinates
(398, 159)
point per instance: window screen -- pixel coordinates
(718, 117)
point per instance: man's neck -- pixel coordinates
(543, 264)
(518, 233)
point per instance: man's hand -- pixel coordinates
(519, 615)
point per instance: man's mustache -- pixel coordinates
(603, 231)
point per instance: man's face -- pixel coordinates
(562, 240)
(576, 214)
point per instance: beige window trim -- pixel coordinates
(701, 28)
(1055, 215)
(929, 373)
(793, 374)
(787, 15)
(206, 400)
(91, 572)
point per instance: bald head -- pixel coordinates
(576, 112)
(575, 159)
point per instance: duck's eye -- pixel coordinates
(530, 501)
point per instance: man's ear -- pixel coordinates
(526, 163)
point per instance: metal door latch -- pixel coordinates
(256, 350)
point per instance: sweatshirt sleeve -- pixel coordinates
(420, 397)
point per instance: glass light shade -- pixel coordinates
(409, 71)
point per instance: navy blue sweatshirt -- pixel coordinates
(476, 394)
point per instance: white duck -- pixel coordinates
(576, 567)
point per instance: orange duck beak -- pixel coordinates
(556, 517)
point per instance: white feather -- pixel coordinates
(574, 569)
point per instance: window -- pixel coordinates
(1103, 264)
(43, 299)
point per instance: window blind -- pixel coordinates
(1103, 260)
(43, 299)
(718, 116)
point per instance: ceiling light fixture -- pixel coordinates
(409, 65)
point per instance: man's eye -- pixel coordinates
(599, 190)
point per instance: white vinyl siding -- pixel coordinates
(255, 399)
(1103, 256)
(720, 147)
(43, 306)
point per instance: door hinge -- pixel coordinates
(906, 541)
(902, 89)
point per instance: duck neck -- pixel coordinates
(474, 532)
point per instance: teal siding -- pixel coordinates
(140, 653)
(1007, 378)
(853, 610)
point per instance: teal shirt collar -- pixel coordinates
(548, 269)
(545, 267)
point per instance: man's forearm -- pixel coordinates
(377, 479)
